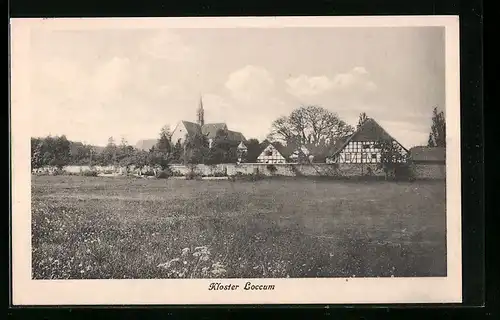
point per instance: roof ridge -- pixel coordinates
(358, 130)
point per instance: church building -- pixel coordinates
(185, 129)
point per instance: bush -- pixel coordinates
(149, 173)
(220, 174)
(403, 172)
(192, 175)
(164, 174)
(247, 176)
(272, 168)
(58, 172)
(176, 173)
(89, 173)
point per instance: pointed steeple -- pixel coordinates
(201, 113)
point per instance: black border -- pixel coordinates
(471, 43)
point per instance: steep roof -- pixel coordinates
(370, 130)
(428, 154)
(192, 128)
(338, 145)
(284, 151)
(235, 136)
(242, 145)
(210, 129)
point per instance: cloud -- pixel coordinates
(166, 45)
(250, 83)
(356, 80)
(111, 77)
(308, 86)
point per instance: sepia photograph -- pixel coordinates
(248, 159)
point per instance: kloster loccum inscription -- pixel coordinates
(247, 286)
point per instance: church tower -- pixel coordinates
(201, 113)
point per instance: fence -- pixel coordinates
(420, 171)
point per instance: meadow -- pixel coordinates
(109, 228)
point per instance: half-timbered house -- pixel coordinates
(271, 153)
(367, 145)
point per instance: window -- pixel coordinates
(347, 157)
(366, 146)
(374, 156)
(363, 157)
(269, 153)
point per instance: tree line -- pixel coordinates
(316, 128)
(58, 151)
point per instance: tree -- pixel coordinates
(223, 150)
(51, 151)
(253, 150)
(362, 119)
(437, 136)
(36, 153)
(108, 155)
(125, 154)
(196, 148)
(80, 153)
(311, 126)
(164, 143)
(177, 152)
(161, 154)
(392, 157)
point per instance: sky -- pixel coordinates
(125, 83)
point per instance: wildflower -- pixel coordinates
(185, 251)
(168, 264)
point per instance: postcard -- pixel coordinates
(236, 160)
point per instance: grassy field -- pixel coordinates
(86, 227)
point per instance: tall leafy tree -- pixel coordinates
(392, 156)
(311, 126)
(177, 152)
(80, 153)
(52, 151)
(36, 153)
(125, 154)
(108, 155)
(437, 136)
(223, 150)
(253, 150)
(161, 153)
(196, 149)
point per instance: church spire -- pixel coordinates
(201, 113)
